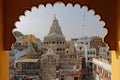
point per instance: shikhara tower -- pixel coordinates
(55, 38)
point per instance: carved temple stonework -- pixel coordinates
(55, 38)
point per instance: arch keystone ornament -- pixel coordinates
(10, 10)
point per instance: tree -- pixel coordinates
(17, 34)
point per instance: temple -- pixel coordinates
(55, 38)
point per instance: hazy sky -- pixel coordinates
(39, 20)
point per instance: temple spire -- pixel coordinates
(54, 16)
(54, 42)
(55, 28)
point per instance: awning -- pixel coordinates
(75, 75)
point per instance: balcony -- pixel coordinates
(102, 64)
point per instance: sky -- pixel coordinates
(71, 20)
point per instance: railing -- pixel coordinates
(103, 60)
(102, 64)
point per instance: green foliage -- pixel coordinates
(35, 46)
(17, 34)
(104, 45)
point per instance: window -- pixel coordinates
(108, 53)
(53, 42)
(60, 42)
(86, 43)
(81, 42)
(60, 49)
(19, 43)
(57, 49)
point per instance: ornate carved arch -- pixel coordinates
(13, 8)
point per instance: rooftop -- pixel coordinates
(27, 60)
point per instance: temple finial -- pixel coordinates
(54, 16)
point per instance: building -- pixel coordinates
(68, 57)
(74, 39)
(81, 42)
(101, 70)
(27, 69)
(49, 64)
(96, 41)
(55, 37)
(83, 47)
(19, 44)
(102, 64)
(105, 54)
(27, 61)
(71, 63)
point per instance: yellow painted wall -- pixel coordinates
(116, 54)
(115, 66)
(30, 38)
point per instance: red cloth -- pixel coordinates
(104, 78)
(11, 78)
(75, 74)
